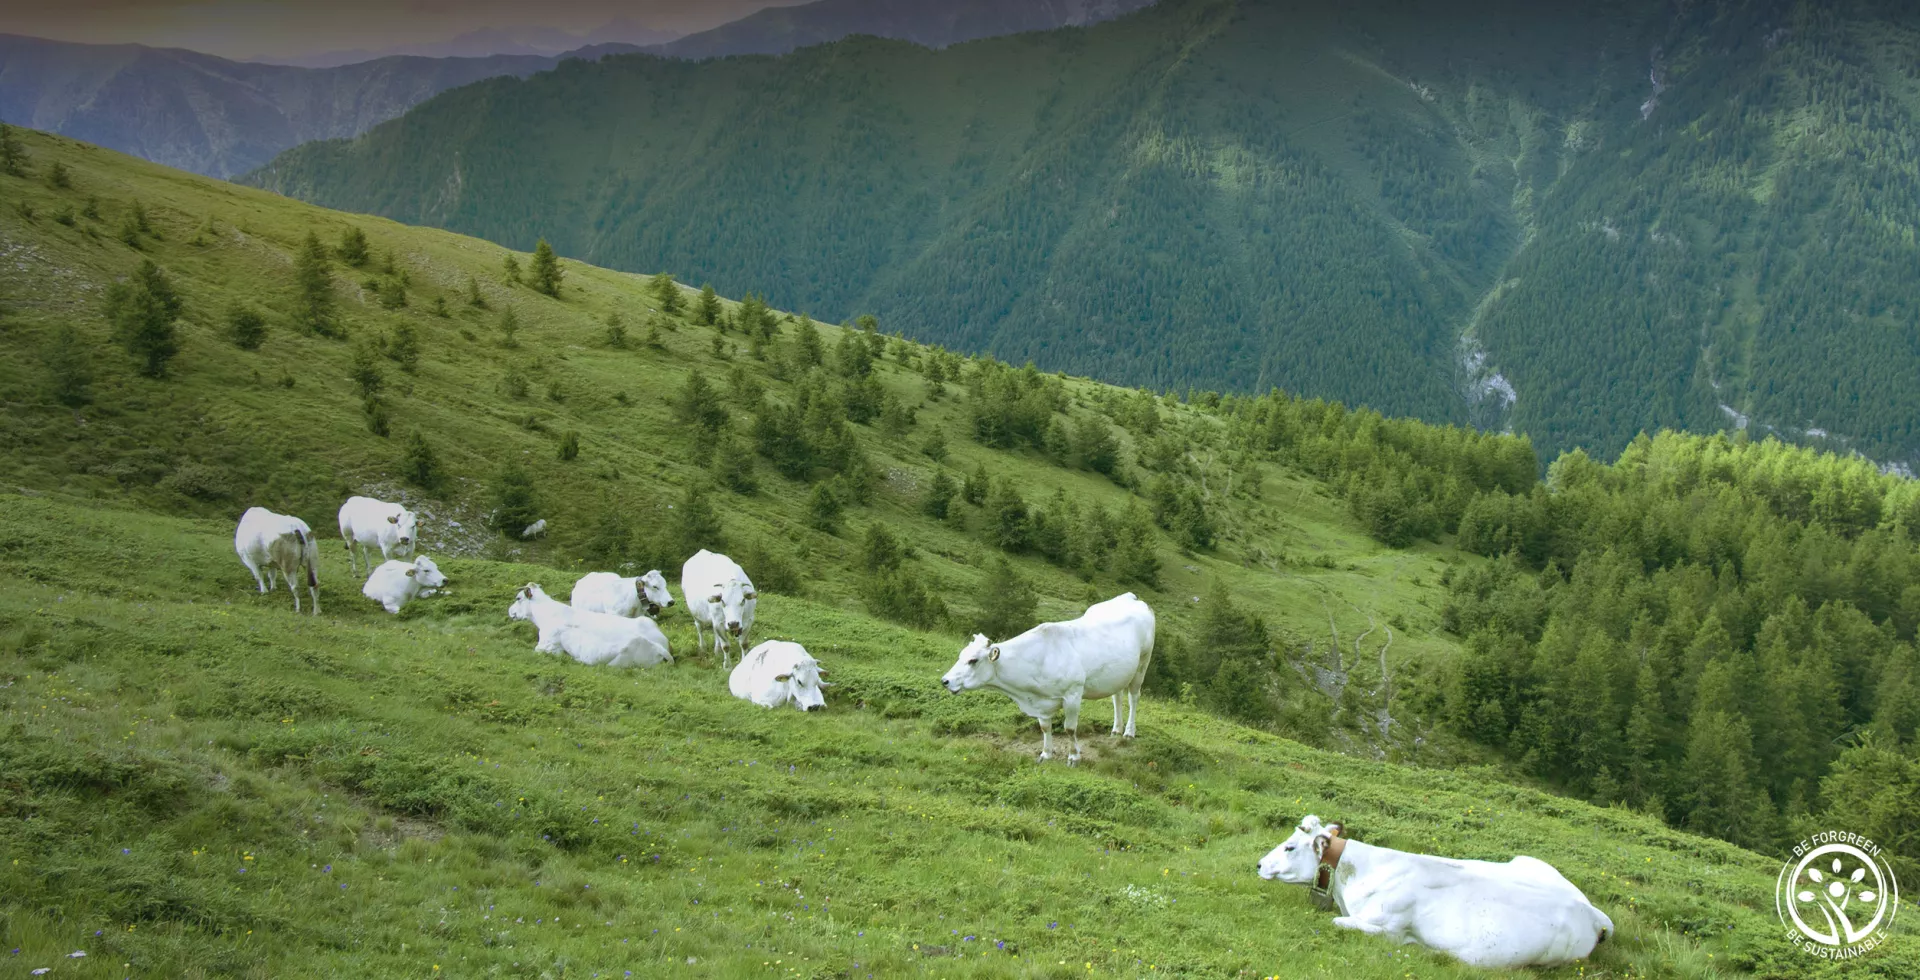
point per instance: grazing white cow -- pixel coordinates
(1053, 667)
(1483, 913)
(621, 596)
(778, 672)
(372, 524)
(594, 639)
(273, 541)
(721, 597)
(396, 583)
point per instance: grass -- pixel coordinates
(200, 783)
(196, 782)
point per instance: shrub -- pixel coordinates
(938, 499)
(246, 327)
(1007, 602)
(404, 347)
(379, 422)
(68, 368)
(823, 508)
(516, 503)
(143, 310)
(420, 467)
(353, 248)
(569, 446)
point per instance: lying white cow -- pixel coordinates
(594, 639)
(778, 672)
(721, 597)
(1053, 667)
(1497, 916)
(273, 541)
(373, 524)
(609, 593)
(396, 583)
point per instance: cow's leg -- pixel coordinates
(1133, 708)
(698, 640)
(1071, 722)
(1369, 926)
(1116, 714)
(1046, 738)
(255, 569)
(292, 586)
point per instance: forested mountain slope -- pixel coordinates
(196, 782)
(1628, 217)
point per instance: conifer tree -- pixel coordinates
(143, 310)
(353, 249)
(516, 501)
(246, 327)
(545, 271)
(509, 328)
(939, 496)
(706, 310)
(420, 467)
(974, 490)
(474, 299)
(13, 156)
(1006, 601)
(510, 267)
(59, 177)
(69, 368)
(666, 291)
(313, 305)
(404, 348)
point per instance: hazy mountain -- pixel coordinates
(777, 30)
(1582, 223)
(211, 115)
(490, 41)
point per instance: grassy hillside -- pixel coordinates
(198, 783)
(1636, 215)
(493, 812)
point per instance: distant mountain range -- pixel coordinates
(777, 30)
(214, 116)
(1579, 221)
(220, 117)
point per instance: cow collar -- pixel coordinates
(1329, 860)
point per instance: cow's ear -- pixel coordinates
(713, 598)
(993, 653)
(753, 595)
(393, 519)
(783, 678)
(1320, 844)
(1336, 829)
(410, 572)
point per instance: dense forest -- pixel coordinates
(1642, 216)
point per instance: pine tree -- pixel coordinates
(516, 503)
(353, 248)
(313, 305)
(823, 508)
(1009, 527)
(939, 496)
(733, 468)
(142, 311)
(59, 177)
(1006, 601)
(509, 328)
(365, 371)
(666, 291)
(404, 348)
(699, 405)
(1135, 558)
(706, 310)
(974, 490)
(69, 368)
(510, 267)
(616, 331)
(474, 299)
(808, 349)
(693, 524)
(879, 549)
(420, 467)
(13, 156)
(546, 271)
(935, 448)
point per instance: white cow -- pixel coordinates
(273, 541)
(622, 596)
(372, 524)
(595, 639)
(396, 583)
(1053, 667)
(1486, 914)
(721, 597)
(778, 672)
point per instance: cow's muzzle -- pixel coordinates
(653, 608)
(816, 707)
(733, 628)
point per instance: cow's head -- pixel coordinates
(975, 666)
(730, 601)
(1297, 860)
(426, 574)
(797, 682)
(403, 530)
(523, 601)
(652, 589)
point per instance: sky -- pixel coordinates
(295, 28)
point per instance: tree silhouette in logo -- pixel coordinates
(1834, 892)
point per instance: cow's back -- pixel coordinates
(1113, 641)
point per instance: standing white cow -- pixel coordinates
(396, 583)
(721, 597)
(621, 596)
(1053, 667)
(594, 639)
(273, 541)
(1483, 913)
(778, 672)
(372, 524)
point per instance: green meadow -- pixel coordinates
(196, 782)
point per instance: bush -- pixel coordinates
(246, 327)
(420, 467)
(143, 310)
(569, 446)
(899, 594)
(939, 496)
(353, 248)
(733, 467)
(823, 508)
(379, 422)
(516, 503)
(1007, 602)
(365, 372)
(68, 368)
(404, 347)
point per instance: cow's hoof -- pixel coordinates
(1044, 757)
(1073, 760)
